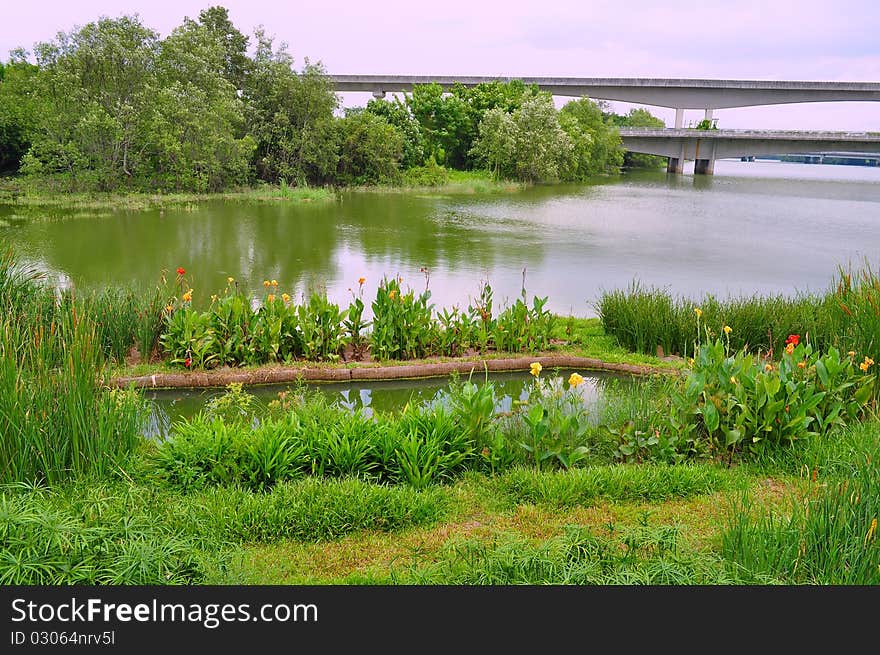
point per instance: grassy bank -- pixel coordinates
(761, 523)
(26, 196)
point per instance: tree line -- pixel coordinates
(112, 106)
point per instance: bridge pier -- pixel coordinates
(676, 164)
(705, 166)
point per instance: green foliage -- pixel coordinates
(615, 483)
(428, 175)
(49, 537)
(55, 419)
(290, 117)
(639, 117)
(556, 424)
(397, 114)
(370, 149)
(643, 318)
(854, 317)
(19, 109)
(596, 146)
(740, 403)
(528, 144)
(642, 554)
(402, 325)
(825, 536)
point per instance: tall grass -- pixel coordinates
(644, 318)
(847, 317)
(825, 535)
(55, 419)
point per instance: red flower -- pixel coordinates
(188, 362)
(793, 339)
(181, 270)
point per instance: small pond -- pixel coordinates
(169, 406)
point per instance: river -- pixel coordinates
(753, 227)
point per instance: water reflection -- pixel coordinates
(753, 227)
(169, 406)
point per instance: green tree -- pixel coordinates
(638, 117)
(596, 142)
(397, 113)
(235, 62)
(370, 149)
(195, 137)
(94, 84)
(19, 109)
(443, 119)
(290, 116)
(450, 121)
(528, 144)
(495, 145)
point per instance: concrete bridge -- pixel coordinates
(705, 146)
(679, 94)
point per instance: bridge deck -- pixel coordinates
(674, 92)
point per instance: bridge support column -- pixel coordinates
(676, 164)
(679, 119)
(706, 166)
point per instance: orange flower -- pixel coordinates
(270, 297)
(285, 297)
(266, 283)
(802, 365)
(789, 348)
(392, 293)
(274, 283)
(187, 296)
(361, 280)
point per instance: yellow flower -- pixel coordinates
(230, 280)
(575, 379)
(187, 296)
(802, 365)
(213, 297)
(270, 297)
(169, 308)
(266, 283)
(868, 360)
(727, 329)
(871, 531)
(285, 297)
(690, 361)
(768, 367)
(535, 368)
(361, 280)
(851, 353)
(865, 365)
(698, 312)
(789, 348)
(732, 380)
(274, 283)
(392, 293)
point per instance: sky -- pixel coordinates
(749, 39)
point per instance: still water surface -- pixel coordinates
(387, 396)
(753, 227)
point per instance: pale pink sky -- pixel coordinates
(750, 39)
